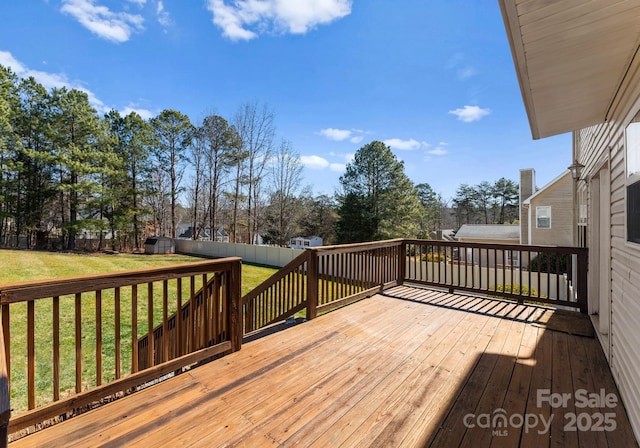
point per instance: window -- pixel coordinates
(513, 258)
(543, 217)
(632, 143)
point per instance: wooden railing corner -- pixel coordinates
(312, 284)
(236, 324)
(402, 262)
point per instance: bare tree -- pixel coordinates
(255, 127)
(284, 208)
(173, 132)
(198, 161)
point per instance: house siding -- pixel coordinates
(603, 146)
(558, 196)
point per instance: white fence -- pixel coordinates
(552, 286)
(266, 255)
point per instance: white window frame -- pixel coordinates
(513, 258)
(632, 166)
(539, 211)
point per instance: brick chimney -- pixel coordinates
(527, 188)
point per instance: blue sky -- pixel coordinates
(433, 79)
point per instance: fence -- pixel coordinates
(265, 255)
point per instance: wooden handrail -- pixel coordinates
(25, 291)
(169, 354)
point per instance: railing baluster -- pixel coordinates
(78, 303)
(31, 355)
(150, 336)
(98, 337)
(179, 320)
(165, 321)
(118, 351)
(56, 348)
(134, 328)
(6, 335)
(193, 345)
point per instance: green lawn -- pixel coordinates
(19, 266)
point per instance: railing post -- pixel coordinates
(312, 284)
(5, 406)
(234, 294)
(402, 262)
(583, 267)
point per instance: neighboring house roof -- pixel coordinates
(569, 72)
(549, 185)
(489, 232)
(305, 237)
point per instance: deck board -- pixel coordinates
(402, 368)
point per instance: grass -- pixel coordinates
(19, 266)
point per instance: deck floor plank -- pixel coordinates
(401, 369)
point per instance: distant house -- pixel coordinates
(546, 215)
(488, 234)
(304, 242)
(186, 231)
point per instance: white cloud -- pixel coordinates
(163, 16)
(314, 162)
(405, 145)
(353, 135)
(335, 134)
(144, 113)
(100, 20)
(466, 73)
(439, 151)
(140, 3)
(49, 80)
(338, 167)
(470, 113)
(292, 16)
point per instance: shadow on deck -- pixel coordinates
(407, 367)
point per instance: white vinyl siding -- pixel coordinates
(594, 146)
(543, 217)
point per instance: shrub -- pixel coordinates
(514, 289)
(433, 257)
(548, 262)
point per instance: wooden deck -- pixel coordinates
(408, 367)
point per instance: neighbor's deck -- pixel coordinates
(402, 368)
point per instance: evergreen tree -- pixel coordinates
(75, 132)
(378, 201)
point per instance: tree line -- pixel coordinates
(66, 171)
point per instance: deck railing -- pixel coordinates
(320, 279)
(97, 320)
(331, 276)
(542, 274)
(180, 323)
